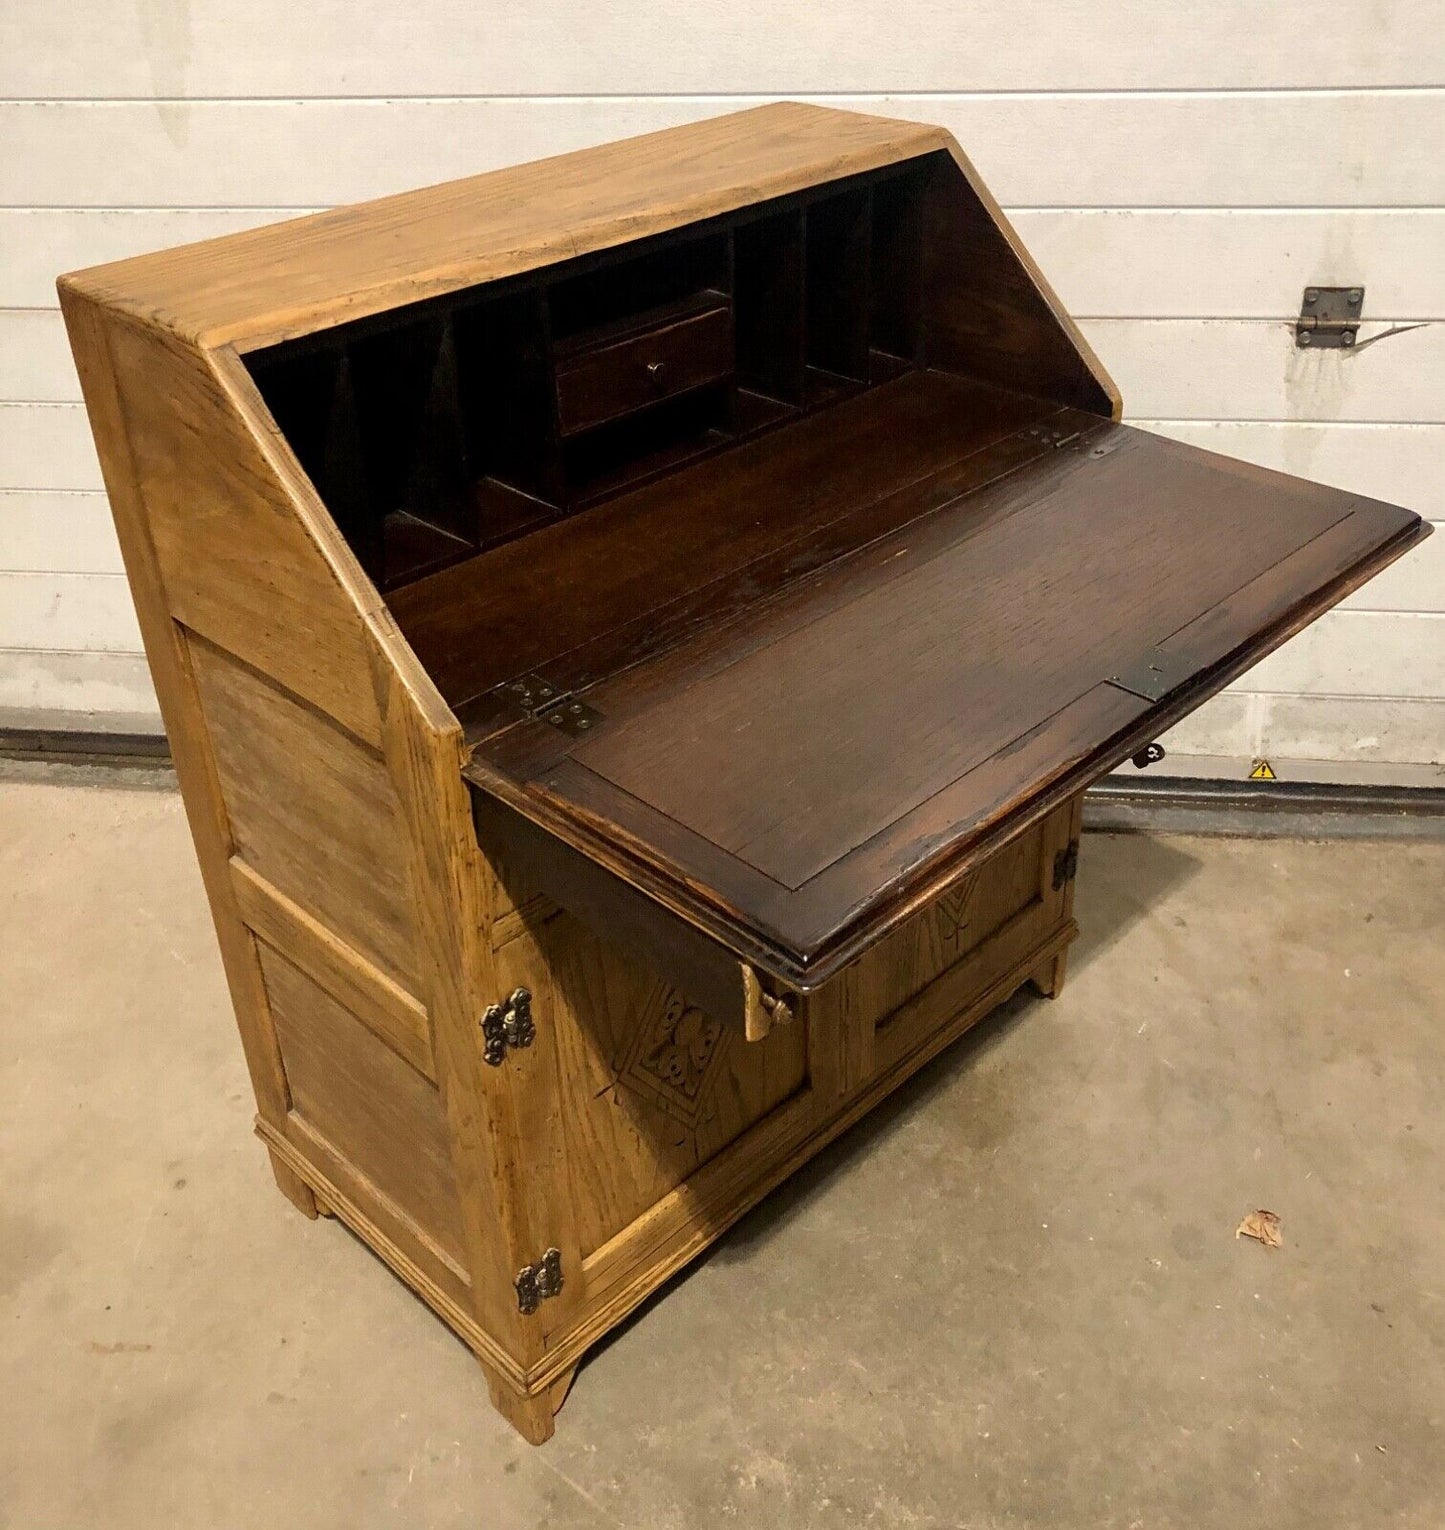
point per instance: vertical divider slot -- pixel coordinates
(837, 280)
(411, 446)
(895, 310)
(308, 388)
(508, 412)
(768, 306)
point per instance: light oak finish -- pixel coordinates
(766, 437)
(337, 853)
(244, 289)
(373, 1109)
(363, 989)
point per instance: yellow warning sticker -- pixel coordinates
(1263, 771)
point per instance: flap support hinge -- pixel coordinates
(761, 1009)
(1156, 674)
(530, 696)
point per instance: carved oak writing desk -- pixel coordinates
(633, 632)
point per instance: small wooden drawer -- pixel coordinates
(618, 375)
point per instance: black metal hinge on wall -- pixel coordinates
(1066, 864)
(507, 1025)
(1329, 317)
(536, 1283)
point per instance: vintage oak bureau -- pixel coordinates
(633, 632)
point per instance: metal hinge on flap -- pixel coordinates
(535, 1283)
(507, 1025)
(533, 697)
(1066, 864)
(1329, 317)
(1156, 674)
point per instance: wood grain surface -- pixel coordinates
(794, 769)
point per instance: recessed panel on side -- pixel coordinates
(372, 1109)
(311, 809)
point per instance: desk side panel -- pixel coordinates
(989, 312)
(269, 666)
(312, 810)
(92, 333)
(246, 554)
(377, 1119)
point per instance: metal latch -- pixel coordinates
(535, 1283)
(1329, 317)
(508, 1025)
(1066, 864)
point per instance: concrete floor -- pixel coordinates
(1011, 1298)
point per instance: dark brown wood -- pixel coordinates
(444, 428)
(662, 356)
(796, 773)
(884, 684)
(983, 312)
(476, 625)
(837, 283)
(768, 283)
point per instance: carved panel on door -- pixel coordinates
(674, 1056)
(647, 1087)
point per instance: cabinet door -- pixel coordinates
(633, 1104)
(964, 953)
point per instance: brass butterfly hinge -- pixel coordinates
(1066, 864)
(508, 1025)
(530, 696)
(535, 1283)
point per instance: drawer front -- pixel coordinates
(613, 380)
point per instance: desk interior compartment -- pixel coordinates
(443, 429)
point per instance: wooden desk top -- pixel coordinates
(269, 284)
(829, 670)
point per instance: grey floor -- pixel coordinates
(1013, 1297)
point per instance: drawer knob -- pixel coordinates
(657, 374)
